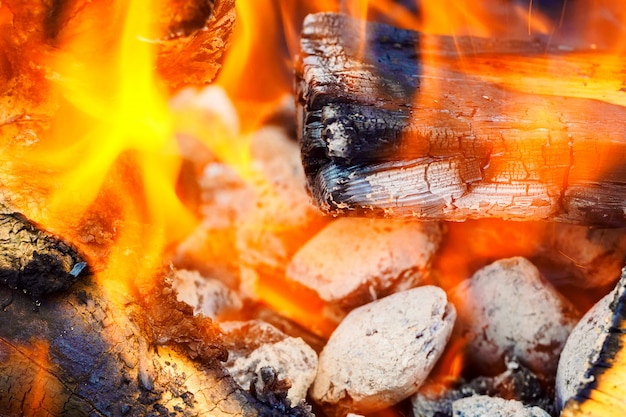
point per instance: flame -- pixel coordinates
(257, 75)
(110, 163)
(112, 157)
(491, 18)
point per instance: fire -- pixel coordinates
(111, 160)
(111, 152)
(256, 76)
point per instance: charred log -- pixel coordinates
(601, 392)
(35, 261)
(96, 352)
(393, 124)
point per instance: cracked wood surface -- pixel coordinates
(92, 352)
(431, 127)
(33, 260)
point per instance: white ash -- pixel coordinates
(353, 261)
(207, 296)
(283, 217)
(225, 199)
(254, 345)
(485, 406)
(582, 349)
(256, 213)
(382, 352)
(214, 105)
(507, 308)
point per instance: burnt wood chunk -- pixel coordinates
(35, 261)
(601, 393)
(97, 352)
(401, 124)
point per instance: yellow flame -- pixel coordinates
(113, 139)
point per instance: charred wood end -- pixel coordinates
(384, 132)
(36, 261)
(599, 394)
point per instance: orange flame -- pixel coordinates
(111, 151)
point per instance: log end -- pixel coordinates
(35, 261)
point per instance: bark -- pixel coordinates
(98, 352)
(601, 393)
(35, 261)
(71, 345)
(409, 125)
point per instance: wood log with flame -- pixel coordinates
(90, 352)
(71, 344)
(401, 124)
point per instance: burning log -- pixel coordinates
(401, 124)
(94, 351)
(591, 370)
(116, 343)
(35, 261)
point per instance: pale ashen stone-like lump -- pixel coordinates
(508, 309)
(383, 351)
(485, 406)
(254, 345)
(207, 296)
(353, 261)
(583, 256)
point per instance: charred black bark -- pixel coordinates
(93, 352)
(393, 123)
(35, 261)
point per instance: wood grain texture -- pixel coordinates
(34, 261)
(97, 352)
(410, 125)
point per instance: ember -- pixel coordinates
(162, 247)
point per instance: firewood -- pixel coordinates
(33, 260)
(198, 34)
(193, 36)
(395, 124)
(99, 352)
(600, 389)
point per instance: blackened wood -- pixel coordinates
(601, 393)
(35, 261)
(198, 33)
(97, 352)
(387, 130)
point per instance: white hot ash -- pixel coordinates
(485, 406)
(383, 351)
(254, 344)
(353, 261)
(508, 309)
(209, 297)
